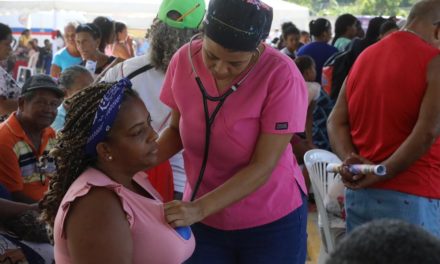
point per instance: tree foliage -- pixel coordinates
(357, 7)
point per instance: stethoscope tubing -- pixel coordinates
(209, 119)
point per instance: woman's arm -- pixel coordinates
(120, 50)
(97, 229)
(169, 141)
(10, 209)
(130, 46)
(55, 71)
(268, 151)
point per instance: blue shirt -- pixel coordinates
(64, 60)
(320, 52)
(58, 123)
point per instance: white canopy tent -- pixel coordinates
(137, 14)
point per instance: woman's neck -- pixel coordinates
(99, 57)
(223, 85)
(116, 174)
(32, 131)
(321, 39)
(73, 51)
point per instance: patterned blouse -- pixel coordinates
(9, 89)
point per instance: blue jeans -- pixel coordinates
(283, 241)
(4, 193)
(365, 205)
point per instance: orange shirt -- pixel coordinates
(21, 166)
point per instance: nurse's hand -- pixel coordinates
(178, 213)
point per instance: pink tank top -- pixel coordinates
(154, 241)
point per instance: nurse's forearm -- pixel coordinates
(267, 153)
(169, 144)
(238, 187)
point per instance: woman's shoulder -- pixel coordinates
(63, 53)
(83, 184)
(275, 61)
(94, 216)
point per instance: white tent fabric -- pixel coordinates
(135, 13)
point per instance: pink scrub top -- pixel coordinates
(154, 241)
(273, 99)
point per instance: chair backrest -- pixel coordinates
(316, 161)
(23, 74)
(33, 59)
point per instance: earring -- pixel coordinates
(110, 158)
(258, 51)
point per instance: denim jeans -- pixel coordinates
(283, 241)
(366, 205)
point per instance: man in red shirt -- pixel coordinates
(388, 113)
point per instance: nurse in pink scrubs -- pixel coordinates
(236, 104)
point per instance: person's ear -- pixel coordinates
(104, 152)
(98, 42)
(308, 74)
(21, 102)
(437, 32)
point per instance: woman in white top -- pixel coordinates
(9, 90)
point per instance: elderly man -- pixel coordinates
(26, 138)
(67, 56)
(388, 113)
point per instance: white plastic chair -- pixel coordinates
(23, 74)
(33, 59)
(316, 161)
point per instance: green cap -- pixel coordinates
(182, 13)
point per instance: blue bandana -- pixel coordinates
(106, 114)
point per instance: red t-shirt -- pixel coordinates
(384, 92)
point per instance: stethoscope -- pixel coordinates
(209, 118)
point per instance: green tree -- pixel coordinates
(357, 7)
(379, 7)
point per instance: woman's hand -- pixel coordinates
(178, 213)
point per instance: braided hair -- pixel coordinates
(69, 152)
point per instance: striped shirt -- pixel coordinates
(22, 167)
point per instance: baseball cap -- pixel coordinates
(40, 82)
(238, 24)
(182, 13)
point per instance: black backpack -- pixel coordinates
(139, 71)
(336, 69)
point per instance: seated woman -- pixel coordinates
(23, 238)
(99, 199)
(9, 89)
(88, 37)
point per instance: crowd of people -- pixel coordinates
(193, 152)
